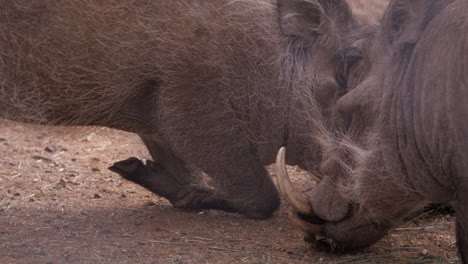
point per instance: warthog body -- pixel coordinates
(209, 86)
(407, 144)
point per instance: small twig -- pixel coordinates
(124, 235)
(39, 157)
(224, 249)
(170, 242)
(415, 228)
(6, 177)
(195, 241)
(202, 238)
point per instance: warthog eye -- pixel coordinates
(345, 61)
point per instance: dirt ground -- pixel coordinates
(60, 204)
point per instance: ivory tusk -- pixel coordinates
(297, 200)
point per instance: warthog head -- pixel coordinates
(403, 148)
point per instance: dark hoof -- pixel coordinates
(150, 176)
(156, 179)
(131, 169)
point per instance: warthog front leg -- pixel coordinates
(461, 207)
(158, 180)
(462, 237)
(240, 182)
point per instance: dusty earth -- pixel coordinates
(60, 204)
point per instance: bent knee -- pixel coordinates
(263, 207)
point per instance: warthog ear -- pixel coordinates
(311, 20)
(405, 20)
(299, 18)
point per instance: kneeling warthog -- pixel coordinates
(211, 87)
(407, 144)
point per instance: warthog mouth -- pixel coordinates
(312, 227)
(351, 232)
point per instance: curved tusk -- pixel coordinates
(297, 200)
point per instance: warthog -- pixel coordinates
(407, 143)
(210, 86)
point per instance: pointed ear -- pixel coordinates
(310, 20)
(299, 18)
(405, 20)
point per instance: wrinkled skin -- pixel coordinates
(406, 145)
(211, 87)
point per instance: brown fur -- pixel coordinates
(407, 144)
(209, 86)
